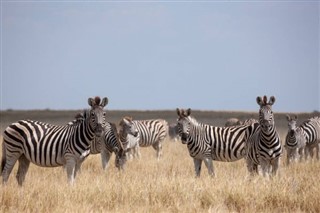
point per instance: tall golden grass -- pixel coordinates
(168, 185)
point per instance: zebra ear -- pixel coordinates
(259, 101)
(188, 112)
(288, 117)
(179, 112)
(272, 100)
(104, 102)
(295, 117)
(127, 120)
(91, 102)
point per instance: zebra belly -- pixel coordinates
(42, 158)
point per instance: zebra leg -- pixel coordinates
(8, 163)
(288, 157)
(301, 154)
(209, 165)
(71, 167)
(252, 168)
(23, 169)
(317, 150)
(265, 166)
(105, 157)
(129, 154)
(136, 151)
(275, 166)
(158, 148)
(197, 166)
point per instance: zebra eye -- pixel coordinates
(104, 113)
(92, 113)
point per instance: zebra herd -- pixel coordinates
(257, 142)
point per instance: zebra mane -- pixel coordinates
(125, 118)
(193, 120)
(79, 118)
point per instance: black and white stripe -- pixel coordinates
(107, 144)
(311, 131)
(50, 145)
(151, 133)
(128, 139)
(264, 147)
(207, 143)
(295, 140)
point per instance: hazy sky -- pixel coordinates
(210, 55)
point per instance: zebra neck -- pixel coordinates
(123, 136)
(85, 130)
(197, 131)
(270, 136)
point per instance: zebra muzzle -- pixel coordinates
(99, 130)
(184, 137)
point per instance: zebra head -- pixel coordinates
(97, 115)
(183, 124)
(266, 118)
(126, 128)
(292, 124)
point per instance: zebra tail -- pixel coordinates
(3, 159)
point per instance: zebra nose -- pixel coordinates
(99, 130)
(184, 136)
(135, 134)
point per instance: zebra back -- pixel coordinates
(151, 131)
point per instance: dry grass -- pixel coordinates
(165, 186)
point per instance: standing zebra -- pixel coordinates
(264, 147)
(127, 136)
(50, 145)
(311, 130)
(151, 133)
(207, 143)
(295, 140)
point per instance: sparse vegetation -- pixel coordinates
(169, 185)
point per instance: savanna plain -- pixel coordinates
(168, 185)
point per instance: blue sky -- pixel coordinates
(210, 55)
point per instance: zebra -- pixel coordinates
(207, 143)
(49, 145)
(237, 122)
(107, 144)
(295, 140)
(311, 130)
(150, 133)
(249, 121)
(264, 147)
(128, 135)
(232, 122)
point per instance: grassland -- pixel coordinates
(169, 185)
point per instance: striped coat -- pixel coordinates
(206, 143)
(50, 145)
